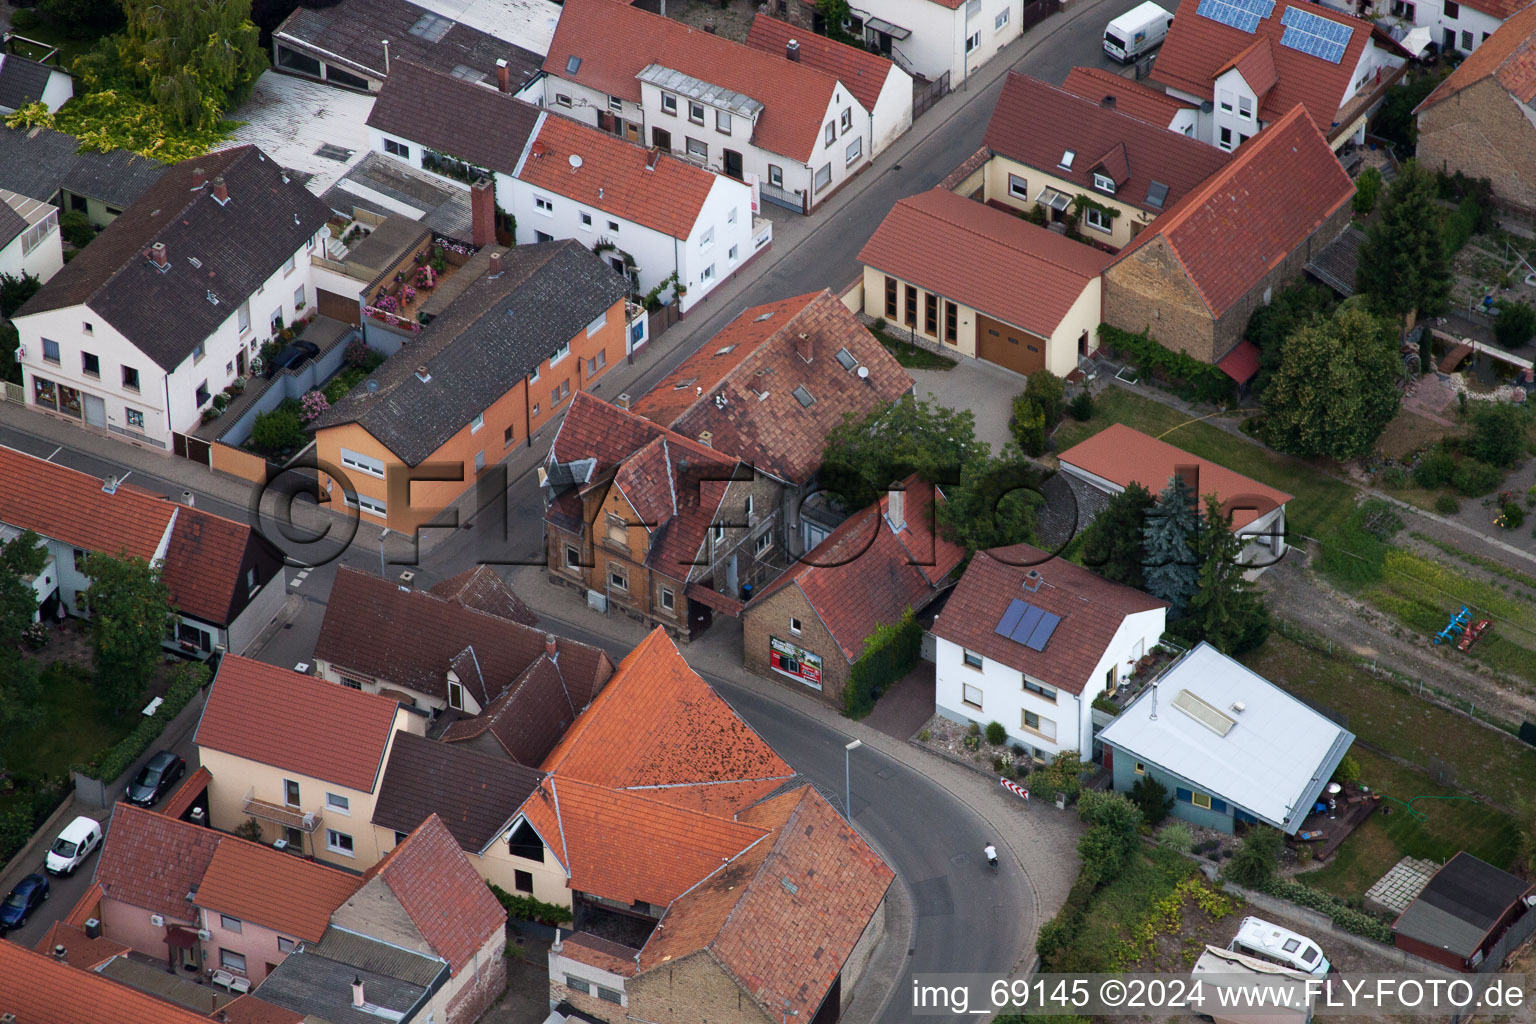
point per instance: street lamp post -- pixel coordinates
(848, 776)
(382, 536)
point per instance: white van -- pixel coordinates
(1257, 937)
(1136, 31)
(74, 844)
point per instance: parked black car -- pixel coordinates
(155, 779)
(292, 356)
(28, 895)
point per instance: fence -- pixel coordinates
(1513, 938)
(790, 200)
(15, 393)
(926, 93)
(663, 318)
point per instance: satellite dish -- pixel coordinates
(575, 161)
(372, 386)
(863, 373)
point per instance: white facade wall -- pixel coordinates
(585, 104)
(938, 41)
(166, 402)
(45, 259)
(892, 115)
(1445, 31)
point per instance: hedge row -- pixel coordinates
(1343, 915)
(186, 680)
(526, 908)
(1461, 224)
(890, 652)
(1192, 378)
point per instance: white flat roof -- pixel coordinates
(1272, 760)
(308, 127)
(528, 23)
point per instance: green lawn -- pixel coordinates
(75, 726)
(1321, 501)
(910, 355)
(1402, 724)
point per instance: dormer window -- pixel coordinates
(1103, 182)
(1066, 160)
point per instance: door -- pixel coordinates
(631, 131)
(95, 411)
(733, 164)
(661, 139)
(1005, 345)
(240, 362)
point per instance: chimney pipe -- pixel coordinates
(896, 512)
(199, 178)
(357, 991)
(220, 190)
(792, 50)
(495, 267)
(385, 43)
(550, 647)
(503, 75)
(482, 209)
(60, 953)
(1108, 102)
(188, 499)
(157, 253)
(806, 346)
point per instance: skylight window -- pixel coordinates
(1157, 195)
(431, 27)
(763, 316)
(1219, 722)
(1067, 158)
(684, 384)
(727, 350)
(803, 396)
(572, 65)
(846, 359)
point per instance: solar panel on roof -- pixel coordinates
(1243, 15)
(1025, 624)
(1315, 35)
(1041, 634)
(1010, 619)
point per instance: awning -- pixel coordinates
(885, 27)
(1057, 201)
(181, 938)
(723, 603)
(288, 817)
(1241, 363)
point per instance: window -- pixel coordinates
(1104, 183)
(890, 298)
(971, 659)
(854, 151)
(1001, 19)
(288, 266)
(135, 417)
(614, 103)
(338, 842)
(1039, 689)
(708, 273)
(1466, 41)
(50, 352)
(1067, 157)
(243, 317)
(1139, 768)
(290, 793)
(613, 225)
(506, 436)
(1096, 219)
(351, 684)
(1225, 139)
(1226, 101)
(365, 463)
(1043, 726)
(723, 121)
(845, 120)
(477, 423)
(479, 460)
(1452, 10)
(370, 505)
(596, 363)
(775, 175)
(697, 148)
(522, 881)
(930, 314)
(719, 532)
(707, 239)
(1201, 800)
(669, 103)
(578, 985)
(732, 254)
(973, 42)
(618, 579)
(829, 134)
(970, 695)
(1245, 107)
(285, 945)
(572, 557)
(695, 112)
(951, 319)
(232, 961)
(1018, 187)
(198, 352)
(911, 310)
(764, 542)
(337, 802)
(455, 696)
(608, 995)
(202, 394)
(298, 297)
(668, 599)
(730, 218)
(90, 365)
(562, 100)
(229, 924)
(394, 148)
(543, 205)
(794, 625)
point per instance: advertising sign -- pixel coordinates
(795, 662)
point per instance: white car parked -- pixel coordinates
(74, 844)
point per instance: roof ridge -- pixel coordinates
(690, 785)
(1018, 243)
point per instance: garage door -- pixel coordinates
(997, 342)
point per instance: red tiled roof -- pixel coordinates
(615, 42)
(40, 990)
(481, 589)
(249, 1009)
(186, 794)
(1034, 122)
(1228, 234)
(862, 72)
(653, 189)
(277, 890)
(1000, 264)
(1508, 55)
(1131, 97)
(1198, 49)
(151, 862)
(1241, 363)
(278, 717)
(864, 574)
(79, 950)
(754, 366)
(601, 953)
(446, 899)
(205, 563)
(71, 507)
(1091, 610)
(1123, 456)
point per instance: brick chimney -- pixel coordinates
(549, 645)
(792, 50)
(895, 509)
(482, 207)
(157, 254)
(494, 270)
(199, 178)
(503, 75)
(220, 190)
(652, 158)
(806, 346)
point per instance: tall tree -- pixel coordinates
(1225, 611)
(1113, 543)
(1336, 389)
(130, 612)
(994, 504)
(1271, 326)
(1171, 538)
(1403, 264)
(20, 560)
(865, 456)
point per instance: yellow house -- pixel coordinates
(978, 282)
(299, 757)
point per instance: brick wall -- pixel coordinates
(1482, 132)
(480, 983)
(863, 950)
(770, 617)
(1149, 291)
(691, 990)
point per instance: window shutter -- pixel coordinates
(1219, 806)
(1183, 794)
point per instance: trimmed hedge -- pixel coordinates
(186, 679)
(526, 908)
(1192, 378)
(1343, 915)
(890, 652)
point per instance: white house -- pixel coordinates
(1452, 25)
(25, 81)
(934, 38)
(650, 214)
(29, 237)
(796, 132)
(1030, 640)
(169, 304)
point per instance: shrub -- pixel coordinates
(1515, 324)
(974, 729)
(76, 228)
(220, 402)
(1530, 496)
(1063, 775)
(1511, 516)
(526, 908)
(186, 679)
(1081, 406)
(925, 735)
(312, 407)
(1348, 770)
(1460, 224)
(1254, 863)
(1028, 425)
(1474, 479)
(1367, 188)
(1177, 837)
(1394, 477)
(1050, 392)
(250, 829)
(890, 652)
(16, 290)
(1498, 434)
(1435, 469)
(1342, 914)
(1196, 380)
(1153, 799)
(996, 734)
(1447, 505)
(276, 432)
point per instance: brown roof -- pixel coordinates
(754, 364)
(70, 506)
(40, 990)
(1248, 217)
(983, 257)
(1508, 55)
(1131, 97)
(79, 950)
(473, 794)
(653, 189)
(205, 562)
(615, 42)
(1091, 609)
(1034, 123)
(249, 1009)
(1123, 456)
(526, 721)
(1198, 49)
(481, 589)
(865, 574)
(291, 895)
(601, 953)
(186, 794)
(410, 638)
(151, 861)
(278, 717)
(862, 72)
(449, 903)
(471, 121)
(781, 918)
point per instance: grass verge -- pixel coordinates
(910, 355)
